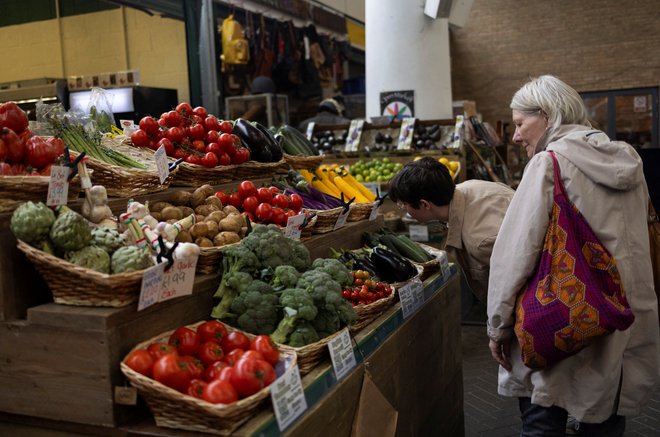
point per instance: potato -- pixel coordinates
(199, 218)
(181, 198)
(207, 190)
(156, 215)
(228, 209)
(243, 232)
(225, 237)
(186, 210)
(199, 230)
(159, 206)
(232, 223)
(206, 210)
(212, 200)
(184, 237)
(216, 216)
(203, 242)
(171, 212)
(213, 227)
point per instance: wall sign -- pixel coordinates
(397, 105)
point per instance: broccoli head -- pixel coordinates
(298, 305)
(303, 334)
(326, 323)
(256, 312)
(231, 284)
(273, 249)
(327, 296)
(285, 277)
(334, 268)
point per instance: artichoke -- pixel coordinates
(130, 258)
(91, 257)
(31, 222)
(107, 239)
(70, 231)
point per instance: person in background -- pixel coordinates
(329, 112)
(473, 211)
(614, 376)
(256, 110)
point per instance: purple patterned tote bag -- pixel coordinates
(576, 293)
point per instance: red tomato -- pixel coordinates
(149, 125)
(194, 366)
(213, 148)
(46, 170)
(200, 111)
(173, 372)
(13, 117)
(241, 155)
(295, 202)
(274, 190)
(194, 159)
(180, 153)
(184, 109)
(15, 148)
(175, 134)
(279, 217)
(173, 118)
(209, 160)
(264, 195)
(162, 121)
(159, 349)
(196, 387)
(252, 355)
(167, 144)
(199, 146)
(226, 144)
(246, 189)
(225, 374)
(265, 345)
(185, 340)
(281, 200)
(141, 361)
(57, 144)
(235, 340)
(235, 200)
(250, 376)
(210, 352)
(212, 330)
(212, 136)
(224, 197)
(250, 204)
(211, 123)
(264, 212)
(224, 159)
(213, 370)
(196, 131)
(219, 392)
(39, 152)
(233, 356)
(226, 126)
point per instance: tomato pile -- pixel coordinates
(262, 205)
(194, 135)
(365, 290)
(21, 151)
(209, 363)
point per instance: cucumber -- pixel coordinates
(414, 247)
(301, 141)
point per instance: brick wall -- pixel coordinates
(593, 45)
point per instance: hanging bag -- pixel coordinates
(576, 293)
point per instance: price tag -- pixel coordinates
(159, 285)
(354, 135)
(161, 163)
(288, 398)
(341, 354)
(126, 395)
(310, 130)
(374, 212)
(406, 133)
(128, 127)
(418, 232)
(411, 296)
(341, 220)
(58, 186)
(293, 223)
(442, 258)
(456, 144)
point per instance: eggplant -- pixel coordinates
(271, 142)
(255, 140)
(393, 267)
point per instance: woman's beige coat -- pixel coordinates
(604, 180)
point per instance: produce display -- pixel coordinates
(327, 141)
(365, 289)
(335, 181)
(452, 166)
(375, 170)
(295, 143)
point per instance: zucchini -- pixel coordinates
(301, 141)
(414, 247)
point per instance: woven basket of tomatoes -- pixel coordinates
(369, 297)
(206, 377)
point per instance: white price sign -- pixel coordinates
(374, 211)
(293, 224)
(418, 232)
(444, 262)
(411, 296)
(406, 133)
(310, 130)
(341, 354)
(161, 164)
(58, 186)
(354, 135)
(128, 127)
(341, 220)
(288, 398)
(159, 285)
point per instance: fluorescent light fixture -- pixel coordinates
(121, 99)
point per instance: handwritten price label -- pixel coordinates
(293, 224)
(58, 186)
(411, 296)
(341, 220)
(161, 164)
(288, 398)
(341, 354)
(159, 285)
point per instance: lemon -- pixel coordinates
(444, 161)
(453, 166)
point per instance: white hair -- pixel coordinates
(554, 99)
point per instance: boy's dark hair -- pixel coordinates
(425, 179)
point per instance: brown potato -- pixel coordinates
(212, 200)
(186, 210)
(199, 230)
(181, 198)
(184, 237)
(213, 228)
(228, 209)
(203, 242)
(156, 215)
(205, 210)
(207, 189)
(232, 223)
(224, 238)
(216, 216)
(159, 206)
(171, 212)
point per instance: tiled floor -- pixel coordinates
(488, 414)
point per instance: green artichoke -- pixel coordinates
(107, 239)
(91, 257)
(70, 231)
(130, 258)
(31, 222)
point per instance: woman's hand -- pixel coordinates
(501, 350)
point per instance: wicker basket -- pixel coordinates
(172, 409)
(312, 354)
(75, 285)
(303, 162)
(429, 267)
(127, 182)
(192, 175)
(367, 313)
(210, 258)
(325, 220)
(15, 190)
(360, 211)
(253, 169)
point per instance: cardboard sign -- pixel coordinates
(288, 398)
(159, 285)
(341, 354)
(354, 136)
(293, 224)
(411, 296)
(161, 164)
(125, 395)
(406, 134)
(58, 186)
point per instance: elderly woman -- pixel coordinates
(612, 377)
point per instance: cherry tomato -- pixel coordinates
(250, 204)
(250, 376)
(295, 202)
(281, 200)
(235, 200)
(141, 361)
(149, 125)
(196, 387)
(210, 160)
(212, 371)
(180, 153)
(264, 195)
(172, 119)
(224, 197)
(173, 372)
(274, 190)
(175, 134)
(246, 189)
(265, 345)
(159, 349)
(196, 131)
(278, 217)
(210, 352)
(201, 112)
(226, 126)
(212, 136)
(185, 340)
(211, 123)
(224, 159)
(264, 212)
(219, 392)
(184, 109)
(194, 159)
(140, 138)
(235, 340)
(212, 330)
(167, 144)
(199, 146)
(226, 144)
(241, 155)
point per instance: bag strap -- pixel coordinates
(559, 186)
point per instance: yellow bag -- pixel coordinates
(235, 47)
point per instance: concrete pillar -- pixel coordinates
(407, 50)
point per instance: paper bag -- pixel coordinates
(375, 416)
